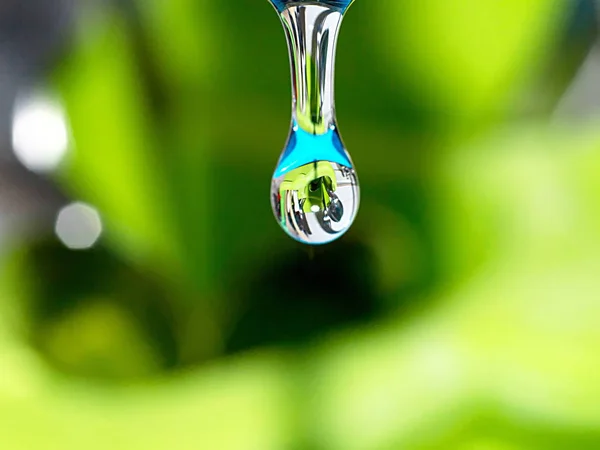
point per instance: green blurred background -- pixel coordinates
(462, 310)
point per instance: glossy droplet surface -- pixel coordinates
(340, 5)
(314, 190)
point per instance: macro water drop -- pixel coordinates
(314, 190)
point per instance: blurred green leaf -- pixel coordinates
(466, 58)
(112, 164)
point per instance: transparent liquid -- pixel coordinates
(314, 190)
(340, 5)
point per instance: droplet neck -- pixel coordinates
(338, 5)
(312, 30)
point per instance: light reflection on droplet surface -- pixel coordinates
(315, 200)
(78, 226)
(40, 135)
(314, 190)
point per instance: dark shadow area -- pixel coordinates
(305, 293)
(64, 284)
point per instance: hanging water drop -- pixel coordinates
(314, 191)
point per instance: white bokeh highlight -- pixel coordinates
(40, 135)
(78, 226)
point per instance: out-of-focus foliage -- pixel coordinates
(462, 311)
(466, 58)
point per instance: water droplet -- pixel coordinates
(314, 191)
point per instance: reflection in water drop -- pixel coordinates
(314, 200)
(314, 191)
